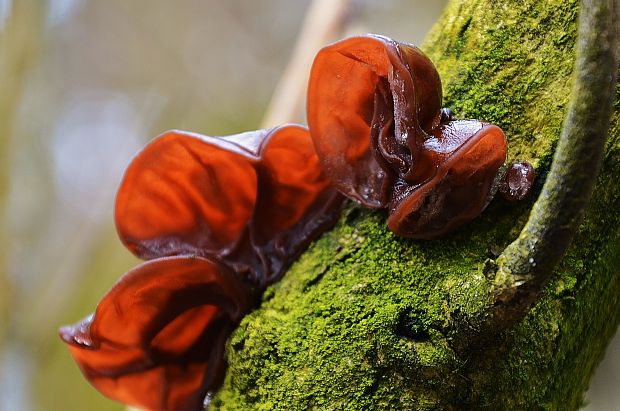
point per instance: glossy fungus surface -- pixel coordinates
(254, 199)
(375, 116)
(219, 219)
(157, 338)
(367, 95)
(517, 183)
(466, 156)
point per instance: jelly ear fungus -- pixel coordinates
(157, 338)
(375, 116)
(219, 219)
(253, 200)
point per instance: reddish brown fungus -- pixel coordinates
(517, 183)
(466, 157)
(253, 200)
(295, 202)
(375, 116)
(157, 338)
(370, 95)
(220, 219)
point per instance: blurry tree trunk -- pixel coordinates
(20, 41)
(366, 320)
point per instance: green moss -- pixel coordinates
(365, 320)
(515, 71)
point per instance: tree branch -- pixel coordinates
(527, 263)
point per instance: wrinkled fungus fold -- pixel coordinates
(218, 219)
(253, 200)
(157, 337)
(375, 116)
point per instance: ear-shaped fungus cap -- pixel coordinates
(157, 338)
(358, 87)
(254, 200)
(185, 193)
(374, 109)
(467, 155)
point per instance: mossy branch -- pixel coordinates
(366, 320)
(527, 263)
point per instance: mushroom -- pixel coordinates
(219, 219)
(466, 157)
(157, 338)
(375, 116)
(518, 181)
(254, 200)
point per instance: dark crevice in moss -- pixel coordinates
(411, 325)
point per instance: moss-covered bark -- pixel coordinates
(365, 320)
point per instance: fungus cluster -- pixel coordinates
(220, 219)
(375, 115)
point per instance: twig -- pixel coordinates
(526, 264)
(325, 21)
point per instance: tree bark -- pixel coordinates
(366, 320)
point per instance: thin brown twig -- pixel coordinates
(325, 21)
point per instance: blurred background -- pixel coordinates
(83, 85)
